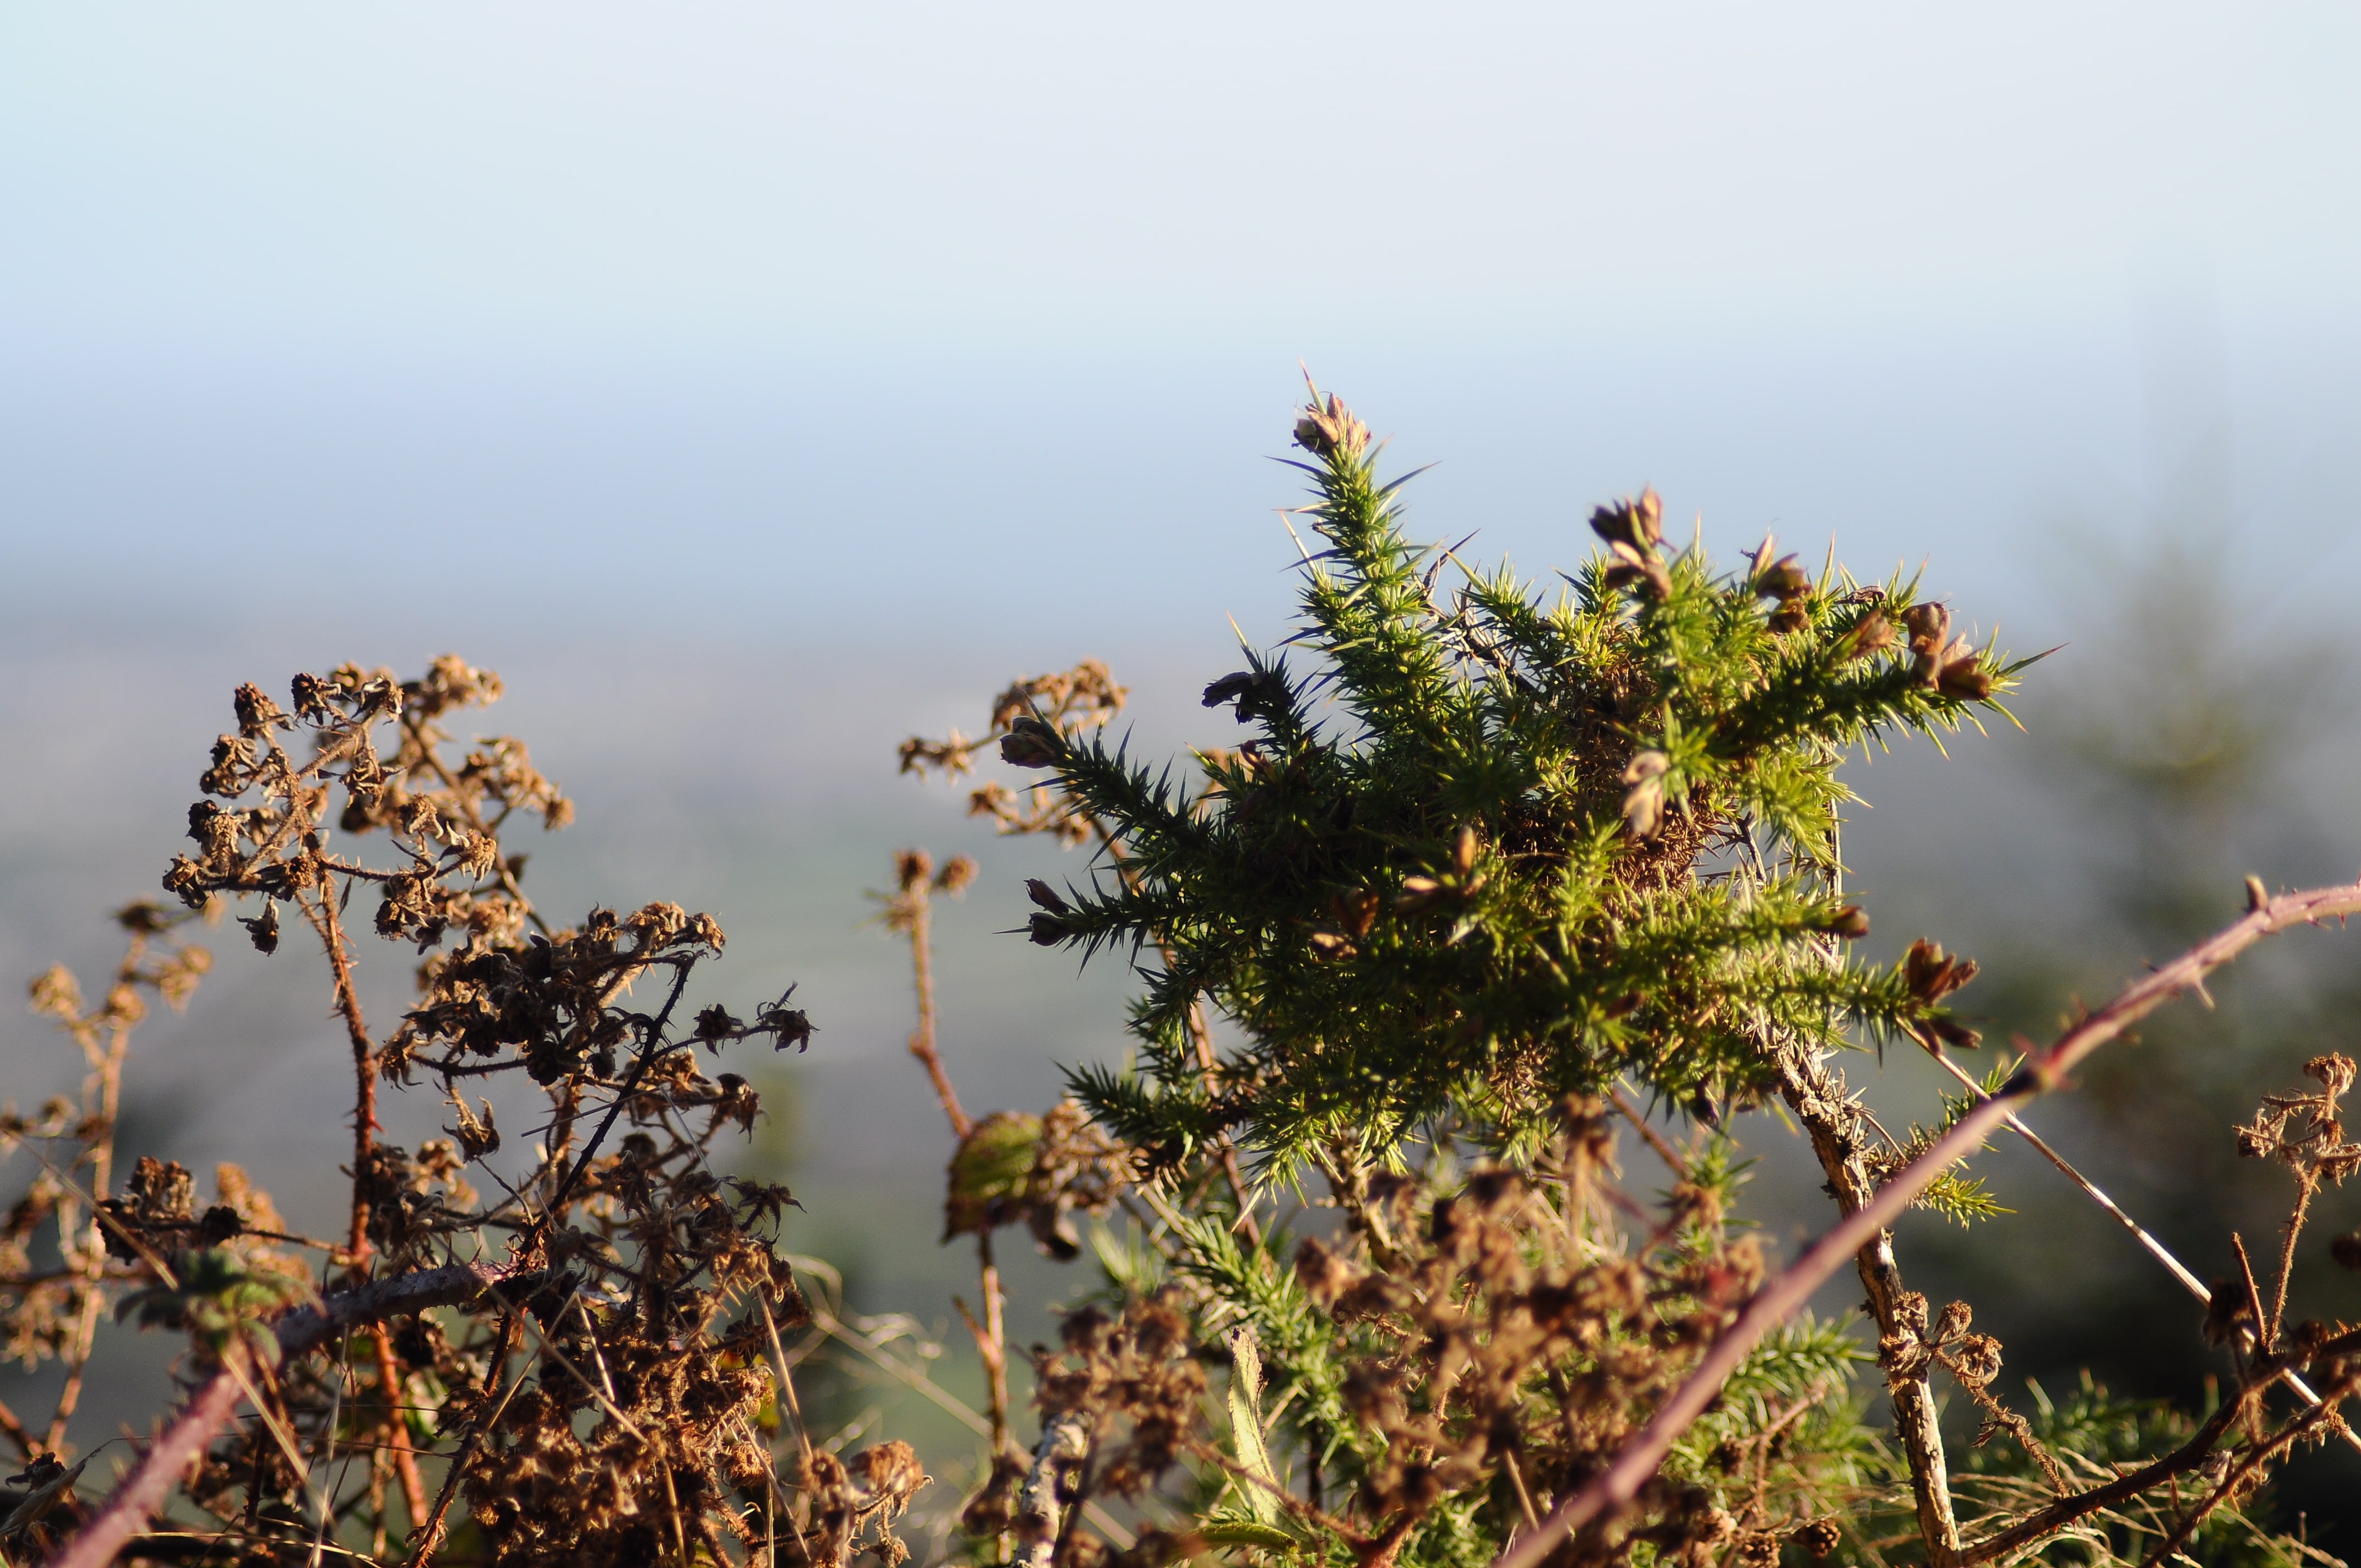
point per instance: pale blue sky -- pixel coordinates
(801, 311)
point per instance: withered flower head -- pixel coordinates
(2335, 1071)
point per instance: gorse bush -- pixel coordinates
(1495, 871)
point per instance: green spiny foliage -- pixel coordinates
(1489, 846)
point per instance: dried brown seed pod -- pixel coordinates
(1819, 1537)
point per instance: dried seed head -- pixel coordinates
(1976, 1361)
(1953, 1322)
(957, 876)
(2346, 1250)
(263, 928)
(2334, 1071)
(2229, 1319)
(1819, 1537)
(257, 714)
(1326, 1276)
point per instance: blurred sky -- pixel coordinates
(857, 323)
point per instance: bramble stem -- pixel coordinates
(397, 1432)
(916, 908)
(140, 1493)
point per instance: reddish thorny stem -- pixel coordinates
(141, 1494)
(1619, 1483)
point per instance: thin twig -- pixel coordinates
(1656, 1140)
(429, 1536)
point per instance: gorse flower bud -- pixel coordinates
(1851, 923)
(1871, 635)
(1463, 846)
(1960, 677)
(1633, 529)
(1030, 743)
(1043, 894)
(1643, 802)
(1325, 431)
(1783, 580)
(1256, 693)
(1931, 974)
(1637, 524)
